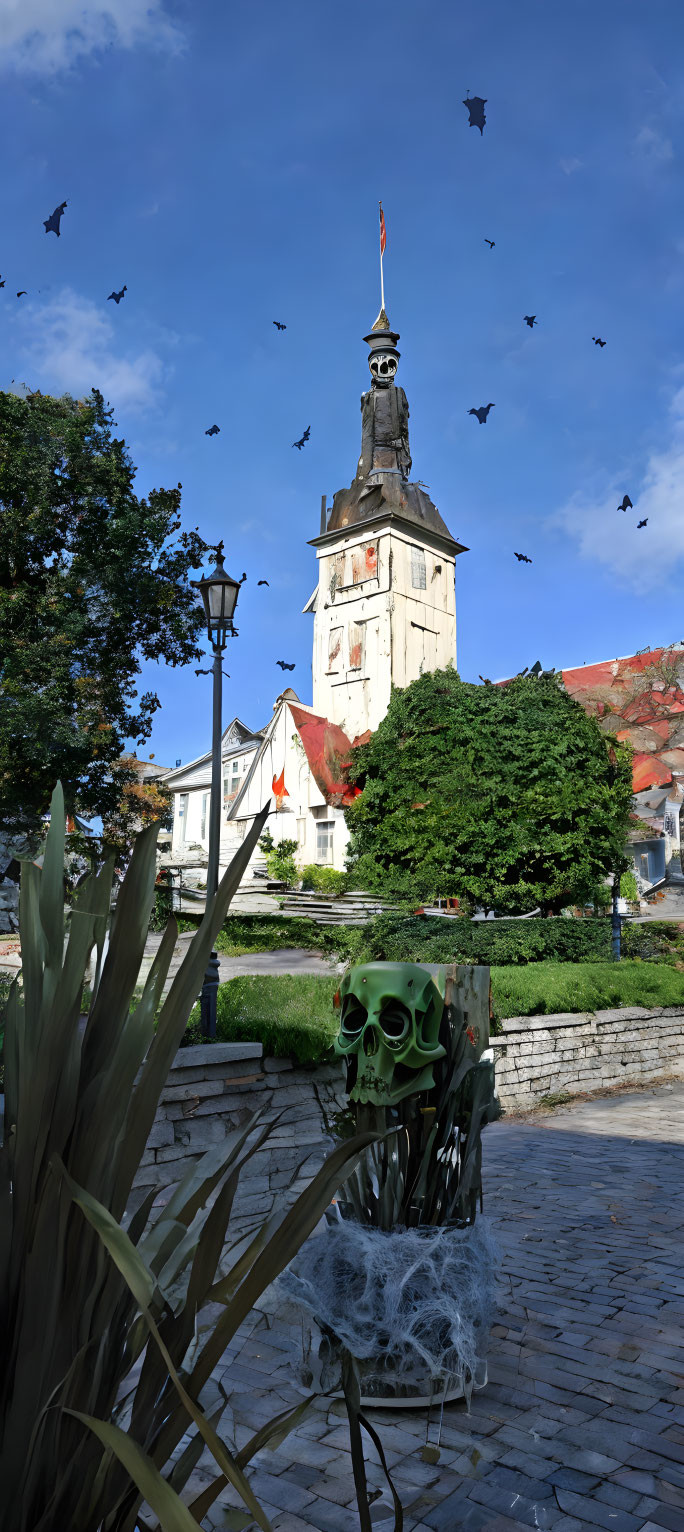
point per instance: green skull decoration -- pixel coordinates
(390, 1015)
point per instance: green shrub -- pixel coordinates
(654, 941)
(280, 863)
(628, 887)
(425, 939)
(324, 880)
(546, 988)
(292, 1015)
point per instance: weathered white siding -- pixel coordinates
(385, 612)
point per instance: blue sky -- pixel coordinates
(226, 161)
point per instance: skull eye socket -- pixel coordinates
(353, 1017)
(395, 1020)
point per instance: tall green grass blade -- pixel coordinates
(173, 1515)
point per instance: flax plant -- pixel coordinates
(104, 1352)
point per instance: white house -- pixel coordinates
(384, 612)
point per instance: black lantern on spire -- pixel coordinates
(219, 592)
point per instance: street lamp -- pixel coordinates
(219, 592)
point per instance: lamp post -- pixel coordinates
(219, 592)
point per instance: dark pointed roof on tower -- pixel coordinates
(382, 485)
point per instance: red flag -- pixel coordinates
(383, 232)
(279, 789)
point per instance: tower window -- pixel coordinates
(356, 645)
(324, 840)
(334, 648)
(418, 568)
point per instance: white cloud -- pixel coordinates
(645, 559)
(70, 346)
(46, 36)
(570, 165)
(653, 147)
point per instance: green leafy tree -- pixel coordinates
(509, 797)
(93, 580)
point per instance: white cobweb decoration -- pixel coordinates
(413, 1306)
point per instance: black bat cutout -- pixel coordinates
(482, 413)
(626, 504)
(118, 296)
(302, 439)
(278, 325)
(491, 243)
(522, 558)
(530, 319)
(643, 523)
(51, 224)
(262, 582)
(476, 111)
(284, 665)
(597, 340)
(23, 293)
(213, 431)
(1, 283)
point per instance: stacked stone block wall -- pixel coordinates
(214, 1088)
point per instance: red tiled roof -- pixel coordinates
(327, 751)
(639, 699)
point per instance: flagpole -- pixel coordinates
(382, 275)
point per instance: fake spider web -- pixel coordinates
(413, 1306)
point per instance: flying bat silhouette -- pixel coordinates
(51, 224)
(491, 243)
(262, 582)
(476, 111)
(278, 325)
(284, 665)
(530, 319)
(482, 413)
(522, 558)
(118, 296)
(302, 439)
(626, 504)
(1, 283)
(597, 340)
(23, 293)
(213, 431)
(643, 523)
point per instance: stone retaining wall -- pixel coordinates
(215, 1087)
(539, 1056)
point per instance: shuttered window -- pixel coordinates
(418, 568)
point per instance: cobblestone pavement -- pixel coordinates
(581, 1425)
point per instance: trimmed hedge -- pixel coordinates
(542, 989)
(426, 939)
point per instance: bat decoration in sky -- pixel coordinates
(118, 296)
(213, 431)
(597, 340)
(284, 665)
(476, 111)
(530, 319)
(263, 582)
(643, 523)
(482, 413)
(278, 325)
(626, 504)
(51, 224)
(1, 282)
(491, 243)
(302, 439)
(522, 558)
(23, 293)
(210, 672)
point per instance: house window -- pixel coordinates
(334, 649)
(231, 782)
(184, 799)
(324, 840)
(301, 832)
(356, 645)
(418, 568)
(203, 817)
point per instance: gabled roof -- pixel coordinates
(245, 737)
